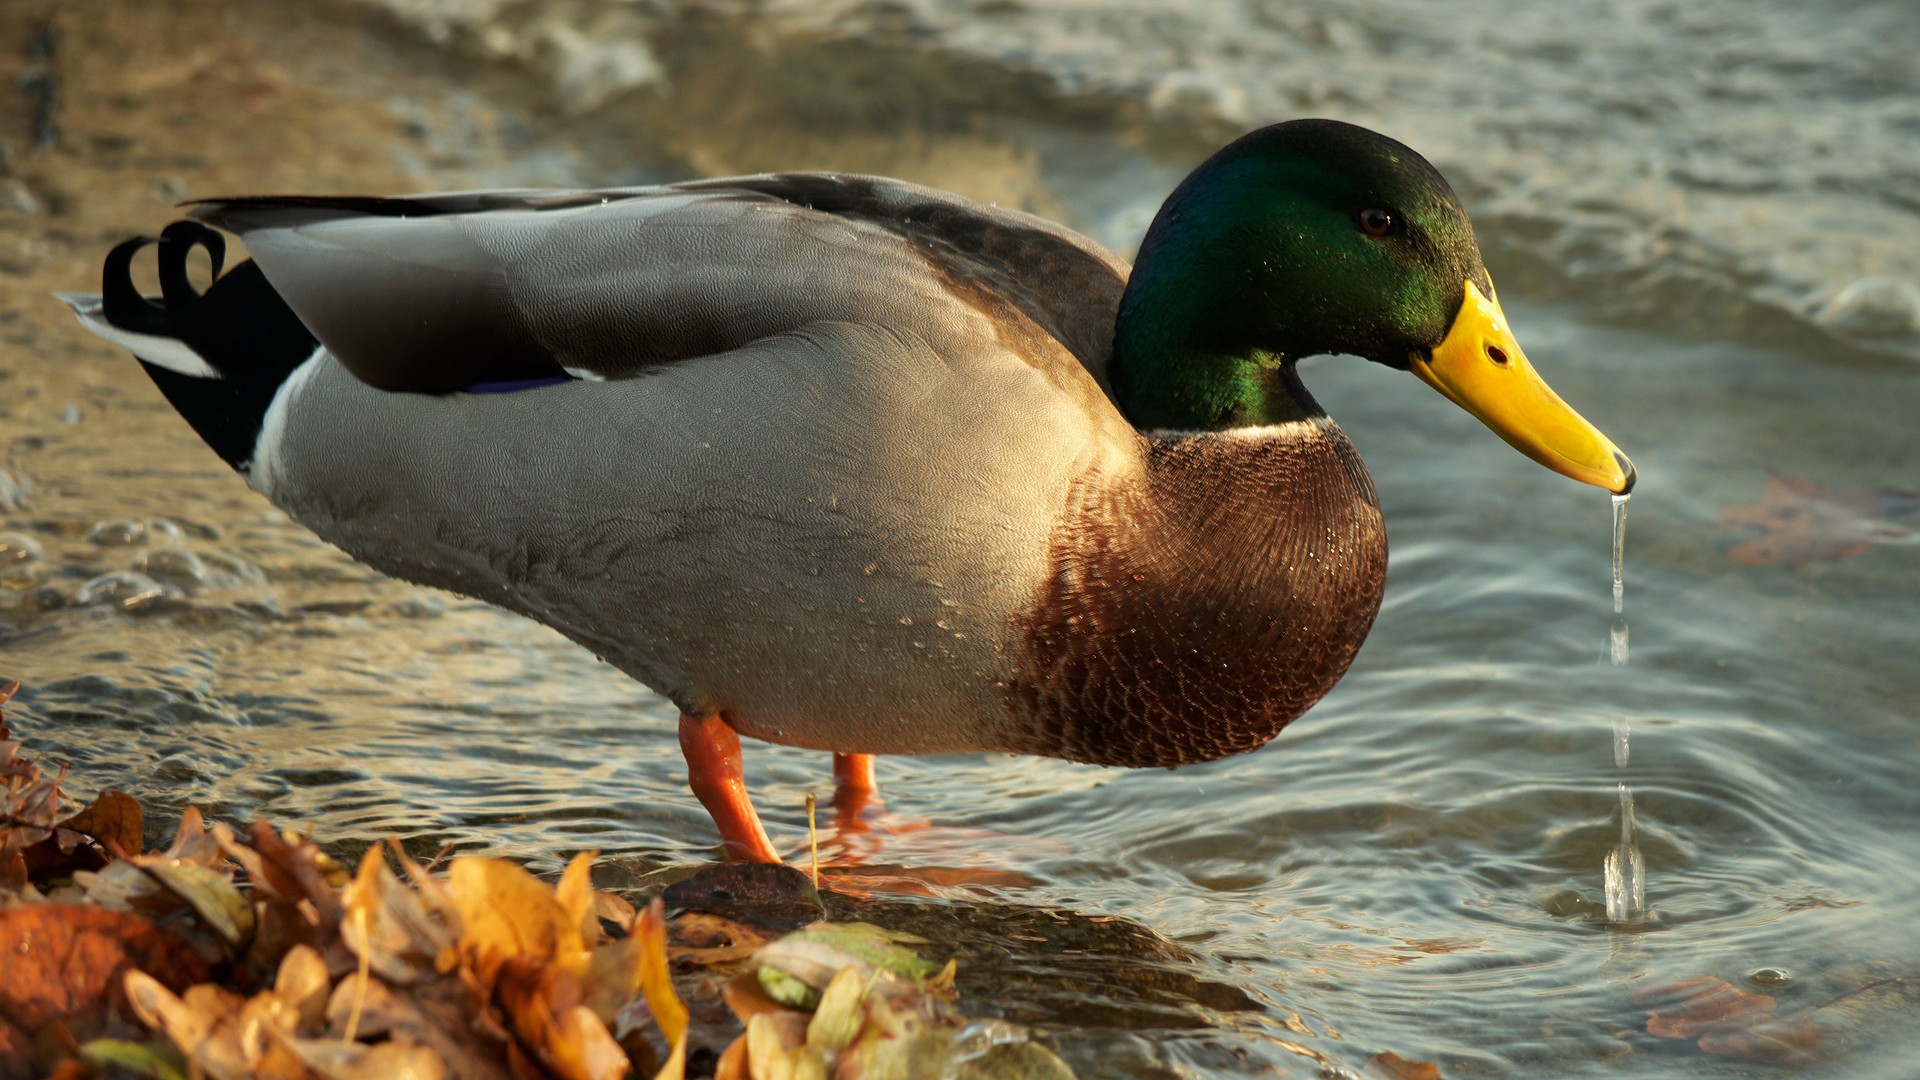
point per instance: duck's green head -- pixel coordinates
(1321, 237)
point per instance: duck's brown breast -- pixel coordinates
(1197, 607)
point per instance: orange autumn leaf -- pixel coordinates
(1388, 1065)
(65, 964)
(545, 1005)
(508, 913)
(656, 984)
(1802, 522)
(1728, 1021)
(401, 932)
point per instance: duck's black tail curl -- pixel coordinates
(218, 357)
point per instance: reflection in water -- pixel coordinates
(1625, 870)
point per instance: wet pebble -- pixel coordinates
(1770, 976)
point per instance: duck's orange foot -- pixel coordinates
(714, 773)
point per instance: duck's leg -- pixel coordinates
(714, 773)
(853, 788)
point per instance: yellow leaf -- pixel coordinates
(657, 984)
(837, 1019)
(398, 931)
(508, 914)
(575, 894)
(303, 984)
(221, 906)
(613, 978)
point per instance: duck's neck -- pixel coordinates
(1192, 351)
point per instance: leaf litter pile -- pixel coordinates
(255, 954)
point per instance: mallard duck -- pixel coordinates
(847, 463)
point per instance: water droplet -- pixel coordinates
(117, 532)
(18, 548)
(906, 620)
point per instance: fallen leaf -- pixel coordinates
(114, 819)
(1803, 522)
(398, 1059)
(400, 931)
(158, 1060)
(837, 1019)
(508, 913)
(544, 1002)
(430, 1014)
(1387, 1065)
(65, 963)
(303, 984)
(656, 983)
(212, 896)
(575, 895)
(201, 1023)
(1728, 1021)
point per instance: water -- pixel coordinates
(1411, 867)
(1625, 869)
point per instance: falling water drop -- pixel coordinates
(1619, 558)
(1624, 871)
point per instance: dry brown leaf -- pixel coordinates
(612, 979)
(508, 913)
(221, 907)
(614, 909)
(733, 1062)
(575, 896)
(1728, 1021)
(544, 1003)
(431, 1014)
(200, 1023)
(1690, 1007)
(1387, 1065)
(298, 870)
(114, 820)
(65, 963)
(399, 931)
(303, 984)
(265, 1028)
(398, 1059)
(655, 980)
(1802, 522)
(192, 844)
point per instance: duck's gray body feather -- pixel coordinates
(817, 488)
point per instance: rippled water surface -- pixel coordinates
(1414, 866)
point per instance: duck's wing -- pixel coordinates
(440, 292)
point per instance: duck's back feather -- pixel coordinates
(439, 292)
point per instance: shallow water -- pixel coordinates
(1414, 866)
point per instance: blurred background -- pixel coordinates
(1704, 219)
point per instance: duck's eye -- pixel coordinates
(1375, 221)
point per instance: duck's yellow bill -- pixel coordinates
(1480, 368)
